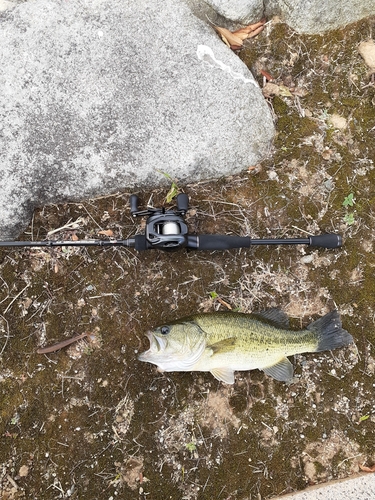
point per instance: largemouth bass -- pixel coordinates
(222, 343)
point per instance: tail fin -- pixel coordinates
(330, 333)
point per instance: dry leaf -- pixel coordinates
(299, 92)
(266, 75)
(108, 232)
(228, 38)
(250, 31)
(75, 237)
(367, 469)
(255, 169)
(223, 303)
(270, 89)
(234, 39)
(284, 91)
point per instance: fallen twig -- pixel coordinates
(60, 345)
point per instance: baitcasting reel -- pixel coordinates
(165, 229)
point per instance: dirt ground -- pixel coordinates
(91, 421)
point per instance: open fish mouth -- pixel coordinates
(157, 345)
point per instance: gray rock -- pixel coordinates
(304, 16)
(241, 11)
(356, 487)
(317, 16)
(99, 96)
(5, 5)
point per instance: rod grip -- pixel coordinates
(218, 242)
(328, 240)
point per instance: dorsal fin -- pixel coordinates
(273, 316)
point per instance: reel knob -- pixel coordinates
(182, 202)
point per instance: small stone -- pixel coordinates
(338, 121)
(307, 259)
(326, 155)
(367, 51)
(24, 471)
(272, 175)
(329, 185)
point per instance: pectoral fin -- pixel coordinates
(224, 375)
(282, 370)
(225, 345)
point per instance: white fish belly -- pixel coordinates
(237, 362)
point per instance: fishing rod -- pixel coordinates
(167, 230)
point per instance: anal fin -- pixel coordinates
(224, 375)
(282, 370)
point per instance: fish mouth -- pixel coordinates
(157, 345)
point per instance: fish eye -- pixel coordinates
(164, 330)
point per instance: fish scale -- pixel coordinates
(254, 335)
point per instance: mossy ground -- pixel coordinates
(92, 421)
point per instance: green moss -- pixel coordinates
(320, 469)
